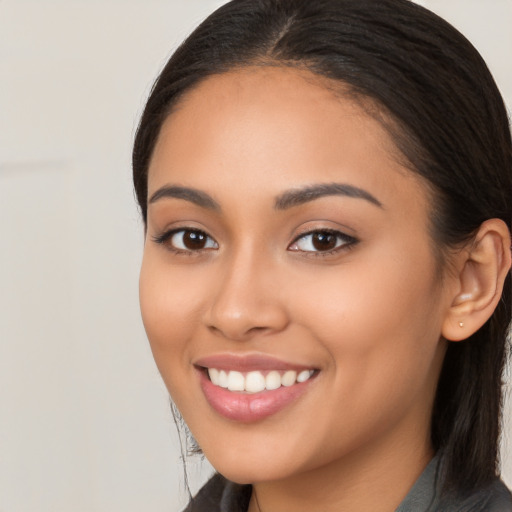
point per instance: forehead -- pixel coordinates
(289, 95)
(278, 125)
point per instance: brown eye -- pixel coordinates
(194, 240)
(188, 240)
(322, 241)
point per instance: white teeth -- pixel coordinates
(304, 375)
(214, 375)
(236, 381)
(272, 381)
(255, 381)
(289, 378)
(223, 379)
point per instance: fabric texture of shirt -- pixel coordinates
(221, 495)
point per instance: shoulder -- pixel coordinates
(493, 498)
(209, 496)
(499, 498)
(219, 494)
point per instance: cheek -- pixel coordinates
(378, 317)
(378, 327)
(169, 305)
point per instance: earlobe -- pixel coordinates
(483, 267)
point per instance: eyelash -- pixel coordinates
(347, 242)
(166, 238)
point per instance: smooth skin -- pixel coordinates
(348, 284)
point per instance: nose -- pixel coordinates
(245, 301)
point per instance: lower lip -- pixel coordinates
(247, 408)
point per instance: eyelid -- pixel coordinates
(165, 237)
(348, 241)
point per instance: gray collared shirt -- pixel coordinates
(221, 495)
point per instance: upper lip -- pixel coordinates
(247, 363)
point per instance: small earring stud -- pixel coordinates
(461, 324)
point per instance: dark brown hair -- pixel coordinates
(452, 129)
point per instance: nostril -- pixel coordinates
(237, 334)
(257, 329)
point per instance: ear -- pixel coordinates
(481, 271)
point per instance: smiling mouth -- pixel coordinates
(252, 388)
(256, 381)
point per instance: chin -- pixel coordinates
(244, 473)
(260, 462)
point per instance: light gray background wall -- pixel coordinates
(84, 418)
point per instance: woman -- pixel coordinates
(326, 276)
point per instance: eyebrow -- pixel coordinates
(300, 196)
(186, 193)
(286, 200)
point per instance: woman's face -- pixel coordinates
(288, 254)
